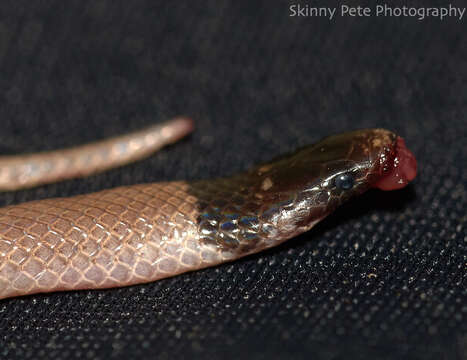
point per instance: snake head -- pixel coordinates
(322, 176)
(287, 196)
(362, 159)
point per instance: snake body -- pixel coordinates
(141, 233)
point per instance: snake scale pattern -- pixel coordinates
(142, 233)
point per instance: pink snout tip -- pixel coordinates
(402, 171)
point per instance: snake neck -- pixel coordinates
(244, 217)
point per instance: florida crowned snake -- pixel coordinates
(141, 233)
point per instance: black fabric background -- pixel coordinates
(382, 278)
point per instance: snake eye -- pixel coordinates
(344, 181)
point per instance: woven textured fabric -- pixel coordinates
(382, 278)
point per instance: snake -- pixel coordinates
(142, 233)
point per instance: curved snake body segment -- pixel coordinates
(23, 171)
(141, 233)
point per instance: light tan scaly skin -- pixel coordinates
(24, 171)
(141, 233)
